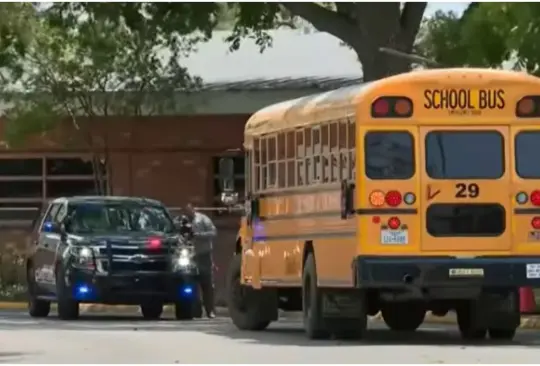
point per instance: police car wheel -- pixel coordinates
(68, 308)
(152, 311)
(184, 310)
(36, 308)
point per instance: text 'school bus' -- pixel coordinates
(415, 193)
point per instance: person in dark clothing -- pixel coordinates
(204, 232)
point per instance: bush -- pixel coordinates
(12, 267)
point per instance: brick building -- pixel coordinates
(173, 156)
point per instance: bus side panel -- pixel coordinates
(375, 233)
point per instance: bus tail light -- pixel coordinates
(392, 107)
(376, 198)
(409, 198)
(535, 223)
(527, 107)
(393, 198)
(522, 198)
(535, 198)
(394, 223)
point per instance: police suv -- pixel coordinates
(110, 250)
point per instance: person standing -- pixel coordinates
(204, 231)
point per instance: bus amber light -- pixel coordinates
(525, 106)
(535, 198)
(376, 198)
(402, 107)
(393, 198)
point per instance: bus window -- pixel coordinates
(272, 161)
(464, 154)
(290, 155)
(527, 152)
(389, 155)
(300, 154)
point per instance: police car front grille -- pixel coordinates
(133, 257)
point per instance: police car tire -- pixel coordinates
(36, 308)
(314, 324)
(68, 309)
(251, 317)
(403, 317)
(184, 310)
(152, 311)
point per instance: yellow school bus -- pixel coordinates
(418, 192)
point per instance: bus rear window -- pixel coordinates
(465, 154)
(389, 155)
(527, 153)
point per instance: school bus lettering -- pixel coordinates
(464, 99)
(432, 240)
(467, 190)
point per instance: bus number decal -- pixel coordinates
(467, 190)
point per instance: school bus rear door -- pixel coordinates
(465, 185)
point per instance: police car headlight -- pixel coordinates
(85, 252)
(184, 258)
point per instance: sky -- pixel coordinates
(456, 7)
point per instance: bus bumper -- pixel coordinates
(441, 272)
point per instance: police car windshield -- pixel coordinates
(118, 217)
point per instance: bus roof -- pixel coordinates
(342, 102)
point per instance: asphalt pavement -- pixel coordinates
(129, 339)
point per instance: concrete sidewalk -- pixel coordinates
(527, 321)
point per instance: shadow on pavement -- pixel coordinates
(287, 332)
(10, 357)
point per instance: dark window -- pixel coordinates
(71, 166)
(21, 189)
(527, 154)
(21, 167)
(465, 154)
(389, 155)
(81, 187)
(466, 220)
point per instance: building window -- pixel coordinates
(72, 176)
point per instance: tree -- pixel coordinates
(364, 26)
(486, 35)
(88, 69)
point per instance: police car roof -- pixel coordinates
(107, 199)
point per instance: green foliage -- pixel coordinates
(86, 65)
(486, 36)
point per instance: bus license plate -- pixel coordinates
(394, 237)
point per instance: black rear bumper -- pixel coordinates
(443, 271)
(121, 288)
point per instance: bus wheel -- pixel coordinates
(505, 323)
(247, 307)
(403, 317)
(312, 302)
(467, 325)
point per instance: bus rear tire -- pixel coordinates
(403, 317)
(248, 308)
(468, 328)
(314, 324)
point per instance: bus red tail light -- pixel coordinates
(535, 198)
(392, 107)
(394, 223)
(393, 198)
(535, 223)
(528, 107)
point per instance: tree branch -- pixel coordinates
(410, 20)
(324, 20)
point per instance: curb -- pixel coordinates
(527, 321)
